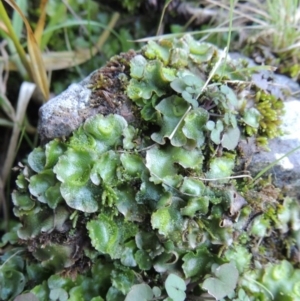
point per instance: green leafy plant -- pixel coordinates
(142, 207)
(224, 282)
(27, 55)
(175, 287)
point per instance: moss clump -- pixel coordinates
(270, 109)
(121, 210)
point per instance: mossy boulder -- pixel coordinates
(141, 198)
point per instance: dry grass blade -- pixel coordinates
(38, 70)
(204, 31)
(6, 123)
(273, 164)
(3, 203)
(214, 70)
(7, 28)
(56, 60)
(159, 29)
(3, 28)
(66, 59)
(224, 178)
(25, 94)
(289, 48)
(41, 22)
(239, 11)
(5, 104)
(89, 53)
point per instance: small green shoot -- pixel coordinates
(273, 164)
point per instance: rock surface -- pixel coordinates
(286, 173)
(61, 115)
(100, 92)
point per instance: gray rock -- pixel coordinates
(101, 92)
(286, 172)
(61, 115)
(277, 84)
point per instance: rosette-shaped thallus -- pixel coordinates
(145, 206)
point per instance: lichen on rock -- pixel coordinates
(141, 187)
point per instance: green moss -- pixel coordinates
(271, 110)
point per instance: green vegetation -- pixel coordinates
(149, 207)
(146, 209)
